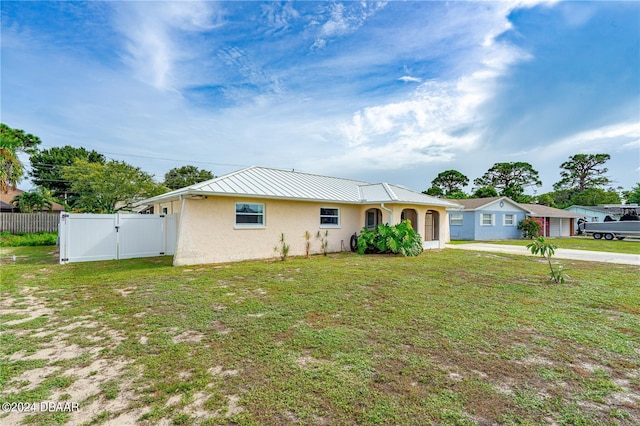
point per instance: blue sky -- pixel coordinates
(379, 91)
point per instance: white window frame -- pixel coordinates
(513, 219)
(249, 225)
(330, 225)
(456, 219)
(491, 215)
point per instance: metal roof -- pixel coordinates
(265, 182)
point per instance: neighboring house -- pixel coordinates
(242, 215)
(7, 200)
(554, 222)
(493, 218)
(8, 208)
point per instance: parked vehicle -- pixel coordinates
(627, 226)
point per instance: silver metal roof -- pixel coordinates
(264, 182)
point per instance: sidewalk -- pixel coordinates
(588, 256)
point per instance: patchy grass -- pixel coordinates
(628, 245)
(449, 337)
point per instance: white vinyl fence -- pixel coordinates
(90, 237)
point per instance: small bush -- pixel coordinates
(530, 228)
(22, 239)
(400, 238)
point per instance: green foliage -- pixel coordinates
(22, 239)
(595, 197)
(109, 187)
(530, 228)
(185, 176)
(282, 248)
(13, 142)
(582, 171)
(47, 167)
(39, 199)
(450, 182)
(509, 179)
(434, 191)
(485, 192)
(546, 200)
(633, 195)
(547, 250)
(400, 238)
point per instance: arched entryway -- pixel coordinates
(372, 218)
(412, 216)
(432, 226)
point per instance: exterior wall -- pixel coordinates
(498, 231)
(208, 233)
(466, 231)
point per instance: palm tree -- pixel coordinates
(37, 200)
(12, 142)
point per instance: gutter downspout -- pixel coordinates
(390, 213)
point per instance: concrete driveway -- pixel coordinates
(589, 256)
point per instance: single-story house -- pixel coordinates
(554, 222)
(491, 218)
(242, 215)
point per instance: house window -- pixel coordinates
(509, 220)
(165, 210)
(249, 215)
(487, 219)
(329, 217)
(455, 219)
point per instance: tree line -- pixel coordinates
(583, 181)
(80, 180)
(85, 181)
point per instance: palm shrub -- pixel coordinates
(400, 238)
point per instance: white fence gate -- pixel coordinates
(90, 237)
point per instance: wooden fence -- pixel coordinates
(29, 222)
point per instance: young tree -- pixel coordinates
(450, 181)
(184, 176)
(109, 187)
(509, 179)
(47, 166)
(582, 171)
(13, 142)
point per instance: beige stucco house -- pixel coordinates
(242, 215)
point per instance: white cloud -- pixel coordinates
(409, 79)
(442, 118)
(153, 36)
(615, 137)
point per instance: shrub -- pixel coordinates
(400, 238)
(22, 239)
(530, 228)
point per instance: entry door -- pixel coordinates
(429, 233)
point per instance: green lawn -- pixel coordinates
(628, 245)
(451, 337)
